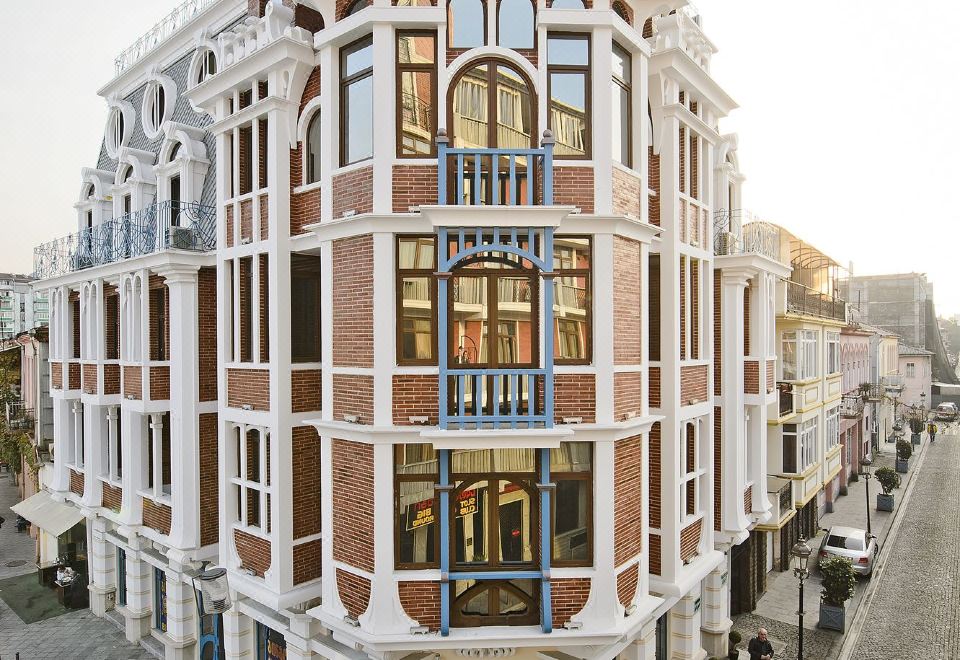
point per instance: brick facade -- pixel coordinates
(567, 598)
(717, 467)
(353, 191)
(207, 344)
(690, 539)
(627, 193)
(304, 206)
(653, 382)
(626, 301)
(76, 482)
(159, 383)
(413, 185)
(228, 221)
(751, 377)
(209, 484)
(112, 497)
(415, 395)
(573, 186)
(748, 500)
(248, 387)
(354, 592)
(655, 554)
(90, 384)
(421, 602)
(654, 469)
(771, 375)
(305, 390)
(353, 395)
(156, 516)
(653, 183)
(111, 379)
(575, 395)
(693, 384)
(306, 481)
(353, 504)
(627, 395)
(254, 552)
(627, 585)
(73, 376)
(353, 301)
(717, 332)
(627, 500)
(56, 375)
(133, 381)
(264, 226)
(307, 561)
(246, 220)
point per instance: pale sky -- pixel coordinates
(846, 121)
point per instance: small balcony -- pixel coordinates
(810, 302)
(18, 416)
(893, 384)
(872, 392)
(851, 406)
(736, 232)
(785, 399)
(162, 226)
(780, 494)
(495, 177)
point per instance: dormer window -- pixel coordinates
(158, 100)
(174, 152)
(207, 66)
(118, 129)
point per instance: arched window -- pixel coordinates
(492, 106)
(515, 24)
(313, 149)
(127, 173)
(357, 5)
(567, 4)
(207, 66)
(174, 152)
(466, 24)
(116, 131)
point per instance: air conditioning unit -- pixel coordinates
(181, 238)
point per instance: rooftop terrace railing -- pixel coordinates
(161, 226)
(804, 300)
(736, 232)
(163, 30)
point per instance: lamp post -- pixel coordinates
(212, 593)
(865, 471)
(801, 552)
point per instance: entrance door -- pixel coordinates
(663, 637)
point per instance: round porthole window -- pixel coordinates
(158, 99)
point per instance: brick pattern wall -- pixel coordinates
(305, 390)
(156, 516)
(413, 185)
(573, 186)
(627, 193)
(655, 554)
(353, 395)
(111, 379)
(353, 191)
(307, 561)
(627, 395)
(575, 395)
(653, 182)
(207, 319)
(421, 602)
(654, 468)
(353, 301)
(751, 377)
(304, 206)
(690, 539)
(133, 381)
(354, 592)
(717, 332)
(653, 301)
(56, 375)
(415, 395)
(76, 482)
(748, 500)
(695, 309)
(353, 504)
(654, 385)
(683, 307)
(111, 321)
(209, 486)
(626, 301)
(771, 382)
(746, 321)
(254, 552)
(248, 387)
(159, 383)
(306, 481)
(627, 501)
(90, 378)
(627, 585)
(693, 384)
(717, 467)
(228, 215)
(73, 376)
(112, 497)
(567, 598)
(246, 220)
(264, 227)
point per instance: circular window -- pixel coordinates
(117, 131)
(205, 65)
(158, 100)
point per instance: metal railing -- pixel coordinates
(781, 495)
(18, 416)
(893, 383)
(804, 300)
(873, 393)
(851, 406)
(496, 398)
(495, 177)
(785, 399)
(736, 232)
(163, 30)
(161, 226)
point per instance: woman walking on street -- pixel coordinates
(932, 431)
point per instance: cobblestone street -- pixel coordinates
(915, 610)
(78, 635)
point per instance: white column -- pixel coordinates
(133, 450)
(94, 435)
(684, 626)
(184, 422)
(102, 569)
(734, 479)
(62, 439)
(603, 609)
(181, 618)
(603, 339)
(601, 142)
(384, 132)
(139, 591)
(239, 634)
(716, 610)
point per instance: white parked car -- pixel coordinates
(852, 543)
(946, 412)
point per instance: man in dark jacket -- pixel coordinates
(760, 647)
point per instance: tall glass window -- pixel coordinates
(572, 299)
(313, 149)
(620, 106)
(416, 300)
(568, 75)
(515, 24)
(356, 101)
(466, 21)
(417, 93)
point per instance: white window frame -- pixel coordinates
(911, 370)
(832, 427)
(152, 120)
(690, 473)
(110, 470)
(808, 344)
(77, 446)
(263, 486)
(156, 492)
(833, 352)
(807, 433)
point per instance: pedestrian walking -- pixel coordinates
(932, 431)
(760, 647)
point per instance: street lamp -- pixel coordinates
(801, 552)
(865, 471)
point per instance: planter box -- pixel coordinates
(832, 617)
(903, 466)
(915, 438)
(884, 502)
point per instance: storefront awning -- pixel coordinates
(48, 514)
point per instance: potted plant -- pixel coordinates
(916, 428)
(904, 452)
(865, 391)
(839, 582)
(735, 638)
(889, 480)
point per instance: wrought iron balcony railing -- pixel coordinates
(18, 416)
(804, 300)
(873, 392)
(161, 226)
(495, 177)
(736, 232)
(851, 406)
(893, 384)
(785, 398)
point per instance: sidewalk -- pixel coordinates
(777, 608)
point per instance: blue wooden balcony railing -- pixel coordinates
(161, 226)
(495, 177)
(497, 397)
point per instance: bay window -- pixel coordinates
(832, 427)
(833, 352)
(799, 354)
(417, 93)
(356, 101)
(251, 477)
(568, 76)
(809, 433)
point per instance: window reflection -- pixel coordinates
(416, 259)
(620, 106)
(568, 60)
(465, 24)
(416, 57)
(356, 99)
(571, 303)
(515, 25)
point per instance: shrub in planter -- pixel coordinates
(734, 638)
(916, 425)
(904, 452)
(839, 583)
(889, 480)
